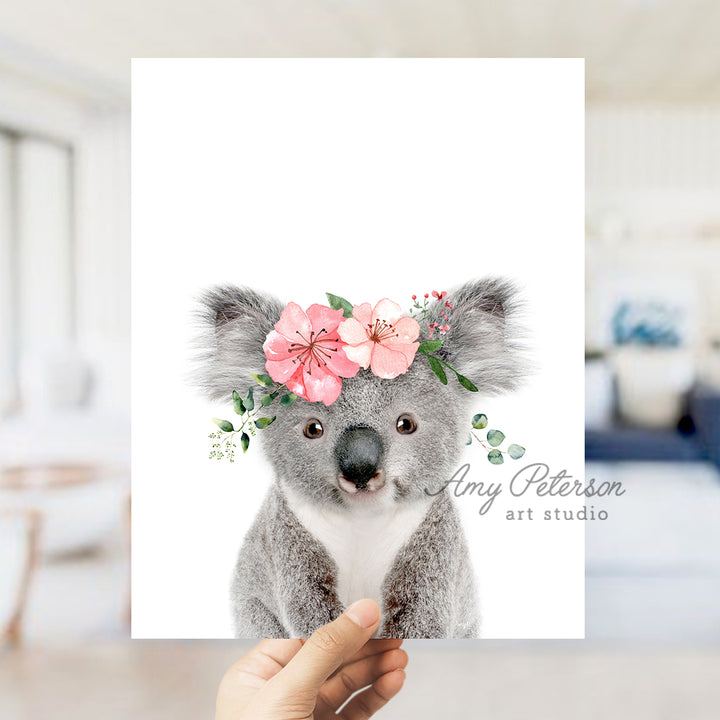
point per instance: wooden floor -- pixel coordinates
(493, 681)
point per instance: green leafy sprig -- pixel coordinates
(249, 408)
(436, 364)
(495, 438)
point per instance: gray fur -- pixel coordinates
(234, 322)
(430, 589)
(284, 582)
(486, 345)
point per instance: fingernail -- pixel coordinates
(364, 613)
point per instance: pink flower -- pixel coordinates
(439, 296)
(414, 297)
(444, 329)
(305, 352)
(380, 338)
(448, 305)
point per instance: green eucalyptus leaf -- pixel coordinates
(495, 457)
(465, 382)
(263, 422)
(244, 441)
(340, 303)
(479, 421)
(516, 451)
(249, 401)
(495, 437)
(430, 346)
(264, 380)
(469, 439)
(437, 368)
(224, 425)
(267, 399)
(288, 399)
(238, 403)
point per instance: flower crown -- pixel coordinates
(309, 352)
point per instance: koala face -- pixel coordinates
(381, 442)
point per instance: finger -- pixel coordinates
(281, 651)
(355, 676)
(326, 649)
(252, 671)
(375, 646)
(370, 700)
(264, 661)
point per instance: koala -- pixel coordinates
(356, 507)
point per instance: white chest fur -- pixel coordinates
(363, 543)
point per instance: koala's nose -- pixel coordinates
(359, 452)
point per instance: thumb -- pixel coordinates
(327, 649)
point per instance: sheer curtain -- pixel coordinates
(37, 323)
(8, 338)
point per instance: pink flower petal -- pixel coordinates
(321, 385)
(407, 330)
(363, 314)
(386, 310)
(281, 370)
(340, 364)
(295, 383)
(321, 316)
(407, 349)
(352, 332)
(293, 320)
(360, 353)
(277, 347)
(387, 363)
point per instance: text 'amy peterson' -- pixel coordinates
(534, 478)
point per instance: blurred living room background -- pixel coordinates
(652, 344)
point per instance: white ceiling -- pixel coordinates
(636, 50)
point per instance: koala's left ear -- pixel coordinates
(483, 342)
(235, 322)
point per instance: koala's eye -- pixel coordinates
(313, 429)
(406, 425)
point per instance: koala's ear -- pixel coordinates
(235, 322)
(484, 339)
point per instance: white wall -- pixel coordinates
(655, 169)
(653, 207)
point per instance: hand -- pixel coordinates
(303, 679)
